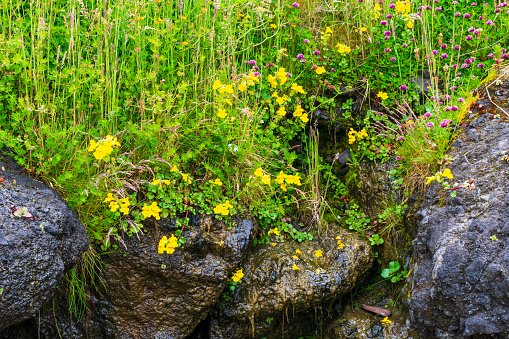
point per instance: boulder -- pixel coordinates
(41, 239)
(459, 285)
(272, 299)
(152, 295)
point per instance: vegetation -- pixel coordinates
(153, 109)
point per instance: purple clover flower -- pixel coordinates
(469, 37)
(316, 52)
(383, 22)
(300, 56)
(444, 56)
(296, 5)
(403, 87)
(445, 123)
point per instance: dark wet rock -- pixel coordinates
(343, 157)
(423, 83)
(459, 285)
(35, 252)
(271, 290)
(151, 295)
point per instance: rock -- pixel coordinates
(459, 285)
(343, 157)
(37, 249)
(271, 290)
(423, 83)
(151, 295)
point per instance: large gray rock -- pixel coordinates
(34, 252)
(459, 285)
(152, 295)
(272, 299)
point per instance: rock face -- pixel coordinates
(152, 295)
(272, 293)
(460, 282)
(37, 247)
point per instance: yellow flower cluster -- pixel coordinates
(167, 245)
(281, 111)
(104, 147)
(320, 70)
(295, 257)
(274, 231)
(265, 177)
(319, 253)
(340, 244)
(382, 95)
(157, 182)
(299, 113)
(238, 275)
(298, 88)
(386, 320)
(352, 135)
(403, 7)
(217, 182)
(223, 208)
(279, 75)
(284, 179)
(114, 204)
(342, 49)
(151, 211)
(221, 88)
(439, 175)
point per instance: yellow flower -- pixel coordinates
(92, 146)
(185, 43)
(273, 26)
(218, 182)
(281, 100)
(298, 111)
(258, 172)
(382, 95)
(216, 84)
(410, 24)
(158, 21)
(328, 30)
(363, 29)
(283, 187)
(167, 182)
(281, 111)
(167, 245)
(447, 173)
(229, 89)
(274, 231)
(155, 182)
(109, 198)
(113, 206)
(222, 113)
(184, 18)
(296, 180)
(266, 179)
(295, 257)
(204, 10)
(238, 275)
(151, 211)
(298, 251)
(430, 179)
(186, 178)
(242, 87)
(386, 320)
(273, 244)
(320, 70)
(304, 118)
(318, 253)
(174, 169)
(377, 7)
(295, 268)
(297, 88)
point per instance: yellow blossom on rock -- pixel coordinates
(318, 253)
(298, 251)
(295, 268)
(167, 245)
(238, 275)
(273, 244)
(447, 173)
(320, 70)
(295, 257)
(386, 320)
